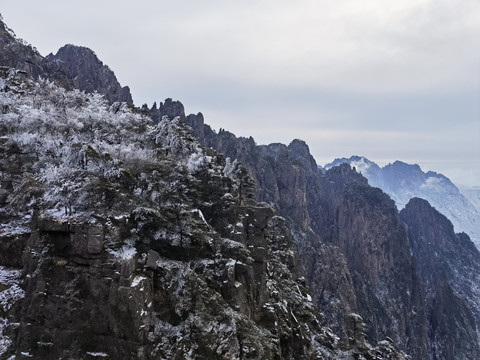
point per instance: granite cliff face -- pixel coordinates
(388, 292)
(89, 74)
(18, 54)
(403, 181)
(449, 265)
(356, 253)
(71, 67)
(122, 238)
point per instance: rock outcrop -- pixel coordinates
(18, 54)
(89, 74)
(354, 249)
(72, 67)
(449, 266)
(127, 239)
(403, 181)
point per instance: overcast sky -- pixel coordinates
(383, 79)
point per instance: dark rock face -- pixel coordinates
(132, 241)
(354, 248)
(403, 181)
(449, 265)
(452, 326)
(72, 67)
(389, 295)
(89, 74)
(356, 254)
(16, 53)
(127, 236)
(124, 305)
(172, 109)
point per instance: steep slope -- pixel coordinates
(90, 74)
(449, 265)
(472, 193)
(353, 247)
(72, 66)
(389, 295)
(355, 251)
(404, 181)
(20, 55)
(126, 239)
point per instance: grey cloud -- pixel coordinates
(388, 80)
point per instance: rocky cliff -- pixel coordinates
(355, 251)
(403, 181)
(122, 238)
(449, 265)
(18, 54)
(89, 74)
(71, 67)
(353, 247)
(132, 236)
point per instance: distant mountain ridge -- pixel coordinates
(472, 193)
(404, 181)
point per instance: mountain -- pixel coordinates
(71, 67)
(144, 234)
(449, 265)
(18, 54)
(472, 193)
(405, 181)
(353, 246)
(123, 238)
(88, 73)
(355, 251)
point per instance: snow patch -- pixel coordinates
(433, 184)
(97, 354)
(5, 342)
(361, 166)
(9, 276)
(10, 296)
(199, 212)
(124, 253)
(137, 280)
(14, 229)
(196, 161)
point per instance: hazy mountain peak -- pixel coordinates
(400, 165)
(403, 181)
(362, 165)
(354, 159)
